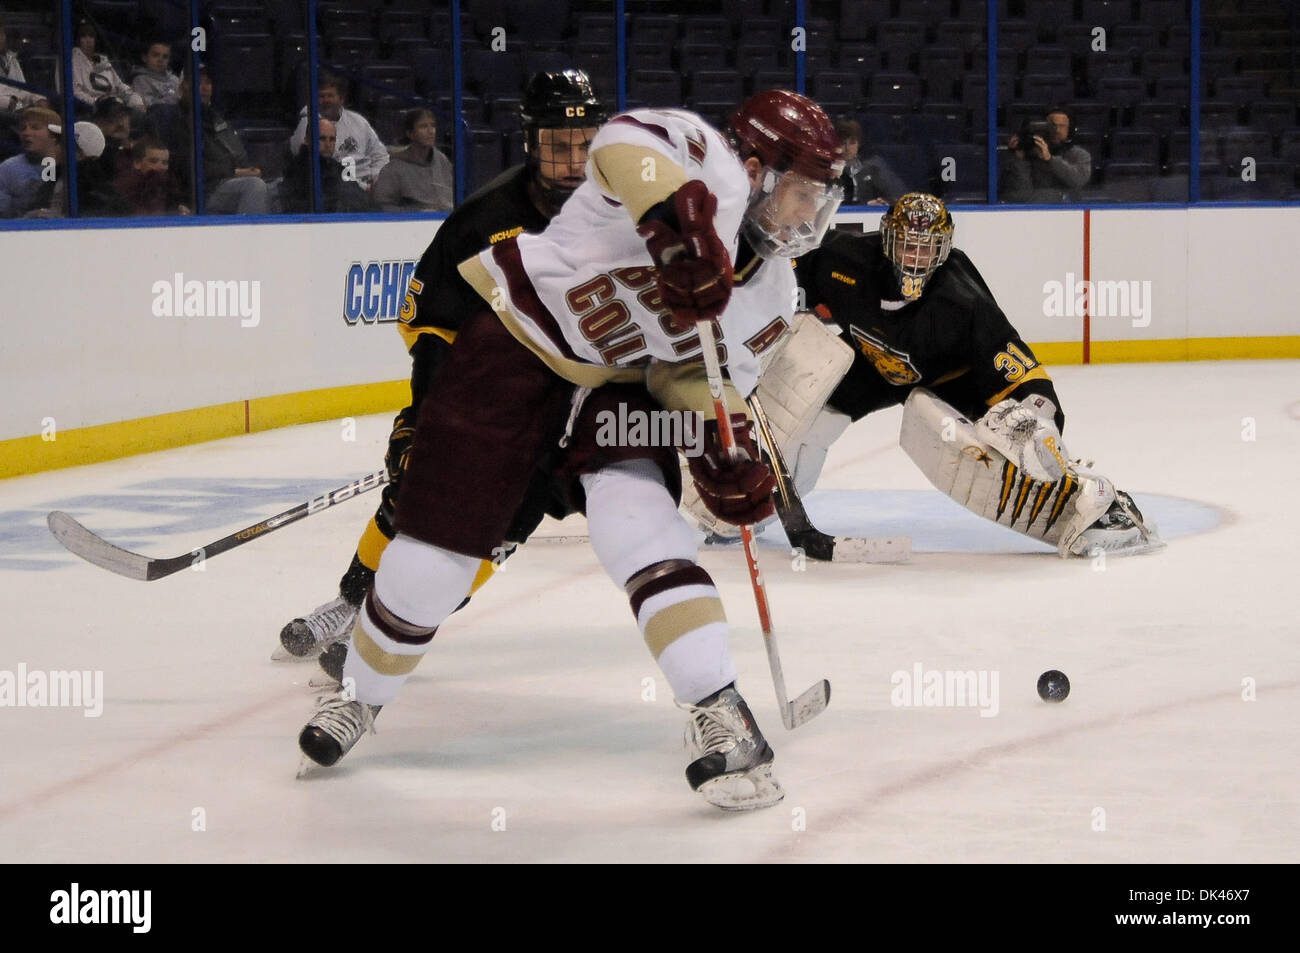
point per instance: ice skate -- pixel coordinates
(1120, 531)
(733, 763)
(304, 637)
(337, 725)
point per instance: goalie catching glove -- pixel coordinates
(692, 266)
(736, 491)
(1026, 434)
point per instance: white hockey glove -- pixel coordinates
(1030, 441)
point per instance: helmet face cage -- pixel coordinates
(789, 213)
(553, 163)
(561, 101)
(916, 237)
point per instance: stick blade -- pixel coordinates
(877, 549)
(80, 541)
(807, 706)
(851, 549)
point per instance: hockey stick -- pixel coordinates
(799, 528)
(95, 549)
(813, 701)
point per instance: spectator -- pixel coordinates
(96, 196)
(866, 181)
(357, 140)
(114, 121)
(232, 185)
(339, 192)
(1046, 167)
(93, 76)
(418, 179)
(154, 82)
(14, 98)
(22, 176)
(147, 186)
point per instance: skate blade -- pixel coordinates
(321, 681)
(281, 654)
(306, 767)
(743, 790)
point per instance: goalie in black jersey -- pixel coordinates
(559, 113)
(907, 319)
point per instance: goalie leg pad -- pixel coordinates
(800, 377)
(947, 448)
(807, 458)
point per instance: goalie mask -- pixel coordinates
(559, 113)
(916, 237)
(798, 190)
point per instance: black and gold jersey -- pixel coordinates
(438, 299)
(954, 340)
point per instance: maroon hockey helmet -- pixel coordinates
(797, 190)
(788, 131)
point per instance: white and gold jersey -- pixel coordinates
(582, 293)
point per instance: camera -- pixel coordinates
(1028, 130)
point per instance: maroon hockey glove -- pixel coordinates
(692, 265)
(738, 492)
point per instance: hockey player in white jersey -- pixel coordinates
(675, 224)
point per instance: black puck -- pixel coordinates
(1053, 686)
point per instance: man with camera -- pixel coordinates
(1046, 167)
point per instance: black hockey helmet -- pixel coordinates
(559, 99)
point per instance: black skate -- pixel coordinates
(304, 637)
(733, 764)
(337, 725)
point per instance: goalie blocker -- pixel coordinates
(1081, 513)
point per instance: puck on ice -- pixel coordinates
(1053, 686)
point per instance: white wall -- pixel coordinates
(83, 345)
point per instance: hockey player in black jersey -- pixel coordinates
(981, 415)
(559, 113)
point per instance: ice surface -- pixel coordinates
(539, 706)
